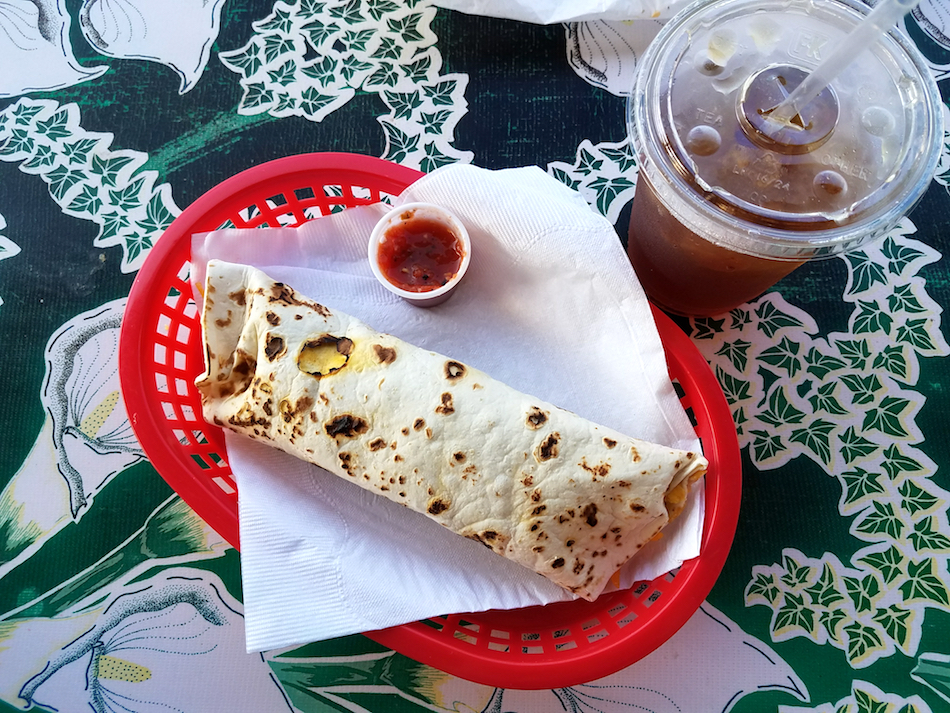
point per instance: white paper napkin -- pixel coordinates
(550, 306)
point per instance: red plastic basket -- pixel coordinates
(549, 646)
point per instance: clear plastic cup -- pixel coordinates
(728, 201)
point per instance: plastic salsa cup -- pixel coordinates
(728, 202)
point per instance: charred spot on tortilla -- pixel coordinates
(285, 294)
(437, 506)
(377, 444)
(536, 418)
(557, 563)
(384, 355)
(527, 481)
(221, 323)
(405, 431)
(239, 297)
(419, 424)
(446, 407)
(242, 374)
(275, 347)
(267, 408)
(324, 355)
(272, 319)
(597, 471)
(536, 496)
(346, 462)
(346, 426)
(540, 509)
(454, 370)
(459, 457)
(610, 442)
(289, 411)
(548, 448)
(634, 454)
(590, 514)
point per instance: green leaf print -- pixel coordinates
(862, 642)
(707, 327)
(896, 463)
(113, 224)
(349, 12)
(820, 365)
(831, 620)
(855, 446)
(917, 500)
(324, 70)
(865, 273)
(896, 624)
(418, 70)
(858, 486)
(855, 351)
(824, 592)
(312, 102)
(623, 158)
(108, 168)
(61, 180)
(893, 360)
(587, 163)
(23, 114)
(565, 177)
(926, 537)
(772, 319)
(246, 61)
(318, 33)
(378, 8)
(784, 356)
(867, 703)
(915, 333)
(780, 410)
(740, 318)
(735, 389)
(434, 159)
(77, 152)
(816, 437)
(871, 318)
(903, 299)
(388, 48)
(824, 400)
(350, 66)
(400, 143)
(795, 574)
(88, 201)
(441, 92)
(357, 40)
(257, 97)
(766, 446)
(863, 388)
(43, 158)
(403, 103)
(277, 45)
(607, 189)
(55, 127)
(888, 563)
(794, 615)
(881, 520)
(281, 21)
(407, 27)
(863, 592)
(886, 418)
(925, 584)
(285, 74)
(128, 197)
(763, 587)
(900, 256)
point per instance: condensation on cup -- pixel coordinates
(728, 201)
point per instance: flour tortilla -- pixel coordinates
(539, 485)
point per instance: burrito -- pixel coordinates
(537, 484)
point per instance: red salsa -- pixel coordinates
(419, 254)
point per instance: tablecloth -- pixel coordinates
(115, 115)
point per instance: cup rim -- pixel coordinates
(389, 219)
